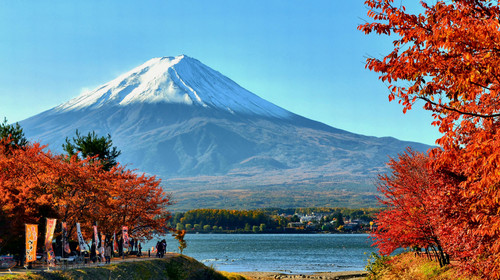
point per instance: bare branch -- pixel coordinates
(458, 111)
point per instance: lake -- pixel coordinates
(289, 253)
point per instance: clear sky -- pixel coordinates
(305, 56)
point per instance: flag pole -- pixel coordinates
(46, 250)
(62, 241)
(123, 244)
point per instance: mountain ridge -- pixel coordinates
(227, 141)
(178, 80)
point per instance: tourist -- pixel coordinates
(158, 249)
(164, 247)
(131, 243)
(107, 253)
(120, 247)
(93, 256)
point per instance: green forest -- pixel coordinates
(274, 220)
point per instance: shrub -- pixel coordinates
(377, 264)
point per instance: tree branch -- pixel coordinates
(458, 111)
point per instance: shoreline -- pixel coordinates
(352, 275)
(250, 275)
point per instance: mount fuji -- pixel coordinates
(215, 144)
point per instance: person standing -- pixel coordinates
(158, 249)
(93, 255)
(132, 243)
(120, 247)
(164, 247)
(107, 253)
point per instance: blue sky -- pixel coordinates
(305, 56)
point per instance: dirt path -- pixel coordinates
(43, 267)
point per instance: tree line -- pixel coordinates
(446, 202)
(266, 220)
(87, 186)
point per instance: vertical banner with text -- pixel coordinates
(65, 242)
(115, 243)
(31, 240)
(81, 241)
(49, 235)
(103, 245)
(96, 240)
(125, 237)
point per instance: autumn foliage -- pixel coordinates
(447, 56)
(35, 184)
(410, 196)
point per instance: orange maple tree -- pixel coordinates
(36, 184)
(447, 56)
(134, 200)
(25, 181)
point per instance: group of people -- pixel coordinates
(103, 253)
(161, 248)
(107, 252)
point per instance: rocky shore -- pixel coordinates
(351, 275)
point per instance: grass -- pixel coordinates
(407, 266)
(179, 267)
(233, 276)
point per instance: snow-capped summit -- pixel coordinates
(215, 144)
(180, 80)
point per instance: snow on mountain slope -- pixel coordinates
(215, 144)
(178, 80)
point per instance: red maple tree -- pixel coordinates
(409, 218)
(448, 57)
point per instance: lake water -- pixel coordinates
(289, 253)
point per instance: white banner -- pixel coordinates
(81, 241)
(103, 241)
(96, 240)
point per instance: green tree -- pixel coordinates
(255, 229)
(339, 219)
(282, 222)
(248, 227)
(12, 135)
(177, 218)
(179, 226)
(93, 146)
(197, 227)
(262, 227)
(326, 227)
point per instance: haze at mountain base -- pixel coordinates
(212, 141)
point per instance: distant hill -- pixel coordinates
(215, 144)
